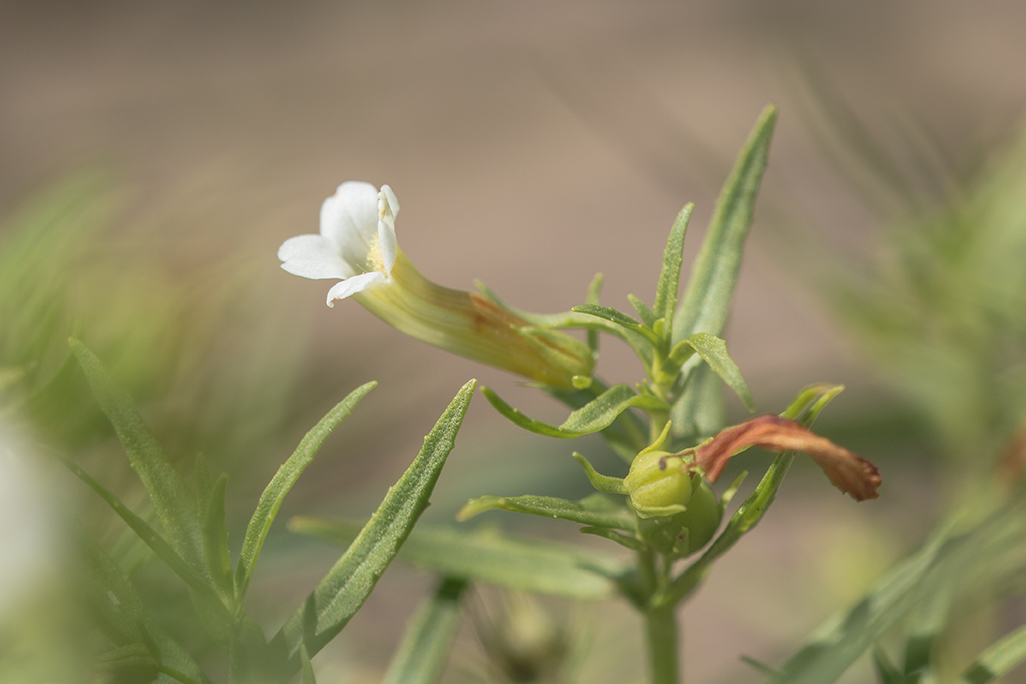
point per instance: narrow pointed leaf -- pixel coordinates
(173, 499)
(627, 435)
(595, 510)
(283, 480)
(952, 558)
(122, 613)
(306, 666)
(648, 318)
(487, 556)
(157, 544)
(673, 259)
(707, 299)
(429, 637)
(594, 292)
(215, 542)
(620, 319)
(348, 584)
(713, 351)
(1000, 658)
(592, 417)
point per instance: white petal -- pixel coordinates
(318, 269)
(349, 218)
(306, 246)
(386, 230)
(353, 285)
(392, 201)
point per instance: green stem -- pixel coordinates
(661, 631)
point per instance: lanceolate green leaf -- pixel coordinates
(595, 510)
(673, 259)
(618, 318)
(627, 435)
(281, 483)
(348, 584)
(998, 659)
(215, 542)
(592, 417)
(713, 351)
(487, 556)
(707, 299)
(951, 560)
(157, 544)
(122, 612)
(173, 499)
(429, 637)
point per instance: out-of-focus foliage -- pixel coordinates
(943, 311)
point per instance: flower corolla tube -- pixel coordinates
(357, 246)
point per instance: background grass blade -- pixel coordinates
(282, 482)
(173, 499)
(429, 637)
(489, 557)
(707, 299)
(348, 584)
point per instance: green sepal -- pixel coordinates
(342, 592)
(659, 511)
(648, 318)
(620, 319)
(429, 637)
(673, 259)
(595, 510)
(485, 555)
(215, 543)
(283, 480)
(603, 483)
(708, 296)
(573, 320)
(593, 417)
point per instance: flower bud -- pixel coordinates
(658, 483)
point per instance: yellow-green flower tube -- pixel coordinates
(357, 246)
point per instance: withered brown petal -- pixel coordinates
(851, 474)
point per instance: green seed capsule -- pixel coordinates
(657, 479)
(702, 518)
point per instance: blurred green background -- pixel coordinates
(153, 157)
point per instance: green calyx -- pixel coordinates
(658, 483)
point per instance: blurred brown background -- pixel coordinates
(531, 145)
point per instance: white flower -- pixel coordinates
(356, 244)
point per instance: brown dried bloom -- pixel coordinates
(851, 474)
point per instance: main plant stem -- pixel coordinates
(660, 623)
(661, 631)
